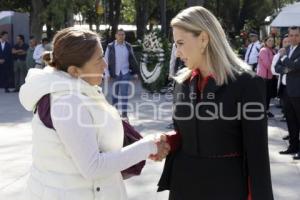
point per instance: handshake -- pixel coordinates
(163, 147)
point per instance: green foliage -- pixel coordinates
(88, 11)
(128, 11)
(57, 11)
(16, 5)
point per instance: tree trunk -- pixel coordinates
(244, 14)
(163, 20)
(141, 17)
(114, 16)
(49, 31)
(69, 16)
(195, 2)
(36, 22)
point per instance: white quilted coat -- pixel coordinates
(54, 175)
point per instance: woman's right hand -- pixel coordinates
(163, 148)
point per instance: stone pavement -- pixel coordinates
(15, 149)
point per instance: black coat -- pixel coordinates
(291, 67)
(199, 169)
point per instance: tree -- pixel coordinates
(163, 10)
(142, 16)
(38, 8)
(195, 2)
(114, 16)
(59, 14)
(128, 11)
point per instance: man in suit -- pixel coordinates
(289, 64)
(5, 60)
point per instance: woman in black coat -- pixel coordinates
(219, 145)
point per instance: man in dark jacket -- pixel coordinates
(5, 60)
(19, 52)
(121, 65)
(289, 64)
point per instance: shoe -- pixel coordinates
(288, 151)
(270, 115)
(287, 137)
(297, 156)
(6, 90)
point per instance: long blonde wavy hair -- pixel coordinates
(219, 55)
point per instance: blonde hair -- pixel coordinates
(219, 55)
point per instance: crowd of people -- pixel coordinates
(17, 59)
(279, 67)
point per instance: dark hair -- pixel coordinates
(268, 37)
(281, 41)
(294, 28)
(45, 40)
(72, 46)
(3, 33)
(21, 37)
(120, 30)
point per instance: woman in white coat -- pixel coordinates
(77, 134)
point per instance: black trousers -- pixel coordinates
(4, 76)
(254, 66)
(271, 91)
(282, 95)
(292, 109)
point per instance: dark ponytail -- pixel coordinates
(47, 58)
(72, 46)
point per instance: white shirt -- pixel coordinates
(252, 52)
(2, 45)
(122, 59)
(292, 49)
(92, 163)
(274, 62)
(38, 53)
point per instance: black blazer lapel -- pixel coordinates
(296, 53)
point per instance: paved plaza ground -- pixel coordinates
(15, 150)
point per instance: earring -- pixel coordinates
(202, 50)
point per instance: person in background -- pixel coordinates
(122, 65)
(30, 62)
(265, 59)
(253, 49)
(19, 52)
(289, 64)
(281, 85)
(5, 60)
(38, 53)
